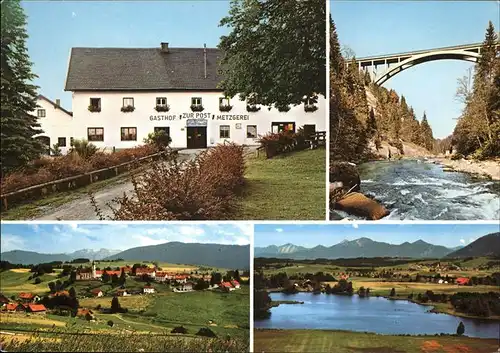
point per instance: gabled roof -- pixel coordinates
(36, 307)
(40, 96)
(142, 69)
(26, 295)
(12, 306)
(96, 291)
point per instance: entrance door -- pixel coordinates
(46, 141)
(197, 137)
(309, 130)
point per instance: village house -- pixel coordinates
(151, 272)
(83, 312)
(84, 274)
(127, 269)
(36, 308)
(62, 293)
(11, 307)
(122, 293)
(99, 273)
(97, 292)
(28, 297)
(161, 276)
(184, 287)
(462, 281)
(148, 290)
(56, 122)
(226, 287)
(174, 90)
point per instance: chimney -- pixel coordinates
(164, 47)
(205, 58)
(58, 103)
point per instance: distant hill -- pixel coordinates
(488, 245)
(31, 257)
(362, 247)
(214, 255)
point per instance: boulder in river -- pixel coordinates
(358, 204)
(345, 175)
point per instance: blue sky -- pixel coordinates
(68, 237)
(385, 27)
(54, 27)
(310, 235)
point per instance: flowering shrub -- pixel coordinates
(282, 142)
(197, 108)
(201, 189)
(225, 108)
(252, 108)
(162, 108)
(48, 169)
(128, 109)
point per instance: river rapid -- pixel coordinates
(421, 190)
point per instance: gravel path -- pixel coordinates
(82, 209)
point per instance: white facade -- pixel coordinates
(212, 125)
(56, 123)
(148, 290)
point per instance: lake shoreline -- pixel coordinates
(435, 310)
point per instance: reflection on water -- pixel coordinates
(379, 315)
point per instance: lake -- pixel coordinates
(379, 315)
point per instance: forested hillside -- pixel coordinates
(363, 114)
(478, 130)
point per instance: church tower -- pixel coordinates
(94, 273)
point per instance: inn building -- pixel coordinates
(120, 95)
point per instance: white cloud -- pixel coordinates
(462, 241)
(35, 227)
(11, 242)
(143, 240)
(57, 229)
(78, 229)
(191, 230)
(279, 230)
(245, 228)
(355, 225)
(73, 14)
(471, 240)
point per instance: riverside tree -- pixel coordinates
(18, 93)
(275, 54)
(460, 329)
(477, 132)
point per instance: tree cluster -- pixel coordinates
(478, 130)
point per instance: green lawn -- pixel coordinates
(286, 187)
(351, 342)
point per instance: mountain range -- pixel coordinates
(364, 247)
(31, 257)
(213, 255)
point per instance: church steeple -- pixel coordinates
(94, 273)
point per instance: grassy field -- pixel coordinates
(269, 180)
(351, 342)
(15, 281)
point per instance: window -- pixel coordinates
(251, 131)
(162, 128)
(61, 141)
(224, 131)
(71, 139)
(196, 101)
(95, 134)
(129, 133)
(40, 113)
(223, 101)
(128, 102)
(95, 103)
(280, 127)
(161, 101)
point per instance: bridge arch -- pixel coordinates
(426, 57)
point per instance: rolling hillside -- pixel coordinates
(488, 245)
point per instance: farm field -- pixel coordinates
(350, 342)
(303, 172)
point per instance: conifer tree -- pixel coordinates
(18, 94)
